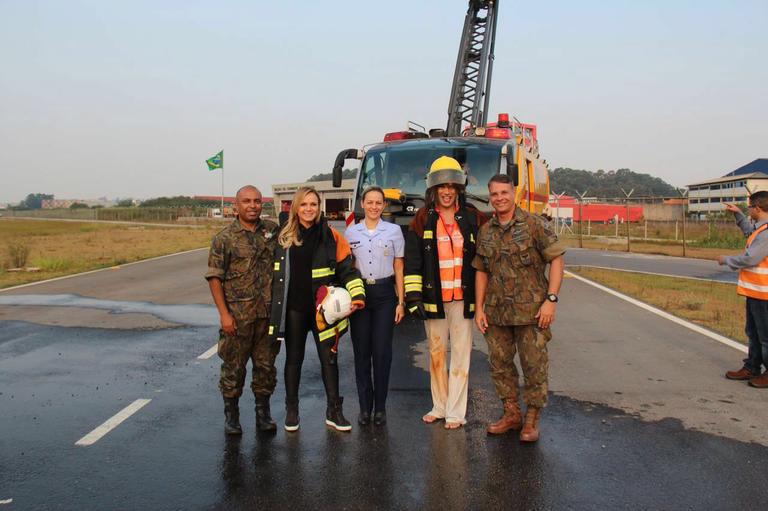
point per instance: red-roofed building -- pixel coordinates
(593, 211)
(227, 200)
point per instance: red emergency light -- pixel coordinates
(503, 121)
(404, 135)
(497, 133)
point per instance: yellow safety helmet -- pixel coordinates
(445, 170)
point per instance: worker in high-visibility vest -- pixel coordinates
(753, 284)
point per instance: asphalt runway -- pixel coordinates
(639, 416)
(651, 263)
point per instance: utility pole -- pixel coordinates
(626, 201)
(581, 218)
(684, 196)
(558, 227)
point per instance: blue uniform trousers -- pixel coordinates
(372, 329)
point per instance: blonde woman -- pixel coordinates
(310, 255)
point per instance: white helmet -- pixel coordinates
(333, 303)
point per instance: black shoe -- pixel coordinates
(291, 416)
(364, 418)
(380, 418)
(232, 417)
(264, 420)
(334, 416)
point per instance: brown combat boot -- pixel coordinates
(741, 374)
(530, 432)
(759, 382)
(510, 420)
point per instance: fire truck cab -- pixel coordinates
(399, 165)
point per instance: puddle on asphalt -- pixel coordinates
(188, 314)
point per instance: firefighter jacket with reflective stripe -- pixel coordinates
(422, 267)
(332, 265)
(753, 281)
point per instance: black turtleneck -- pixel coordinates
(300, 281)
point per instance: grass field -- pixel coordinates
(61, 248)
(651, 247)
(713, 305)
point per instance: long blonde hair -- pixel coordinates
(289, 234)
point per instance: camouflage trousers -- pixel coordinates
(531, 343)
(249, 342)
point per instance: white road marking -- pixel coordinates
(687, 324)
(6, 501)
(652, 273)
(111, 423)
(102, 269)
(208, 354)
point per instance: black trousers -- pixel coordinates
(297, 326)
(372, 330)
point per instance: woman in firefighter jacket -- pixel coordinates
(310, 255)
(440, 285)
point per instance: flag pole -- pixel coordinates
(222, 191)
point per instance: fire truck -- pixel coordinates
(400, 162)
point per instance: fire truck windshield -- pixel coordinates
(404, 165)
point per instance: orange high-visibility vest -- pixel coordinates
(450, 255)
(753, 281)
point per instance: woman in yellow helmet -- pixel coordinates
(440, 285)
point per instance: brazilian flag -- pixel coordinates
(216, 161)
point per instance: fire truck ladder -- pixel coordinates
(474, 65)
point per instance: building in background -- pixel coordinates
(334, 202)
(268, 210)
(736, 186)
(566, 208)
(228, 201)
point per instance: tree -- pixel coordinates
(327, 176)
(124, 203)
(35, 200)
(178, 202)
(608, 184)
(78, 205)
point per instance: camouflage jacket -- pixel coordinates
(242, 260)
(514, 256)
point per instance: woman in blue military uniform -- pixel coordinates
(378, 247)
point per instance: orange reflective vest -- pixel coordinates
(753, 281)
(450, 256)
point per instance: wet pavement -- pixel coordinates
(639, 418)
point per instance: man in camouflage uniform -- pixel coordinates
(240, 278)
(515, 303)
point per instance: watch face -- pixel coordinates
(552, 298)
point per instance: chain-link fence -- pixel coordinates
(143, 215)
(619, 223)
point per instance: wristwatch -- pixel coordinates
(552, 297)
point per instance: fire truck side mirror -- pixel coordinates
(512, 168)
(346, 154)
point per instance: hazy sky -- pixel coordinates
(128, 98)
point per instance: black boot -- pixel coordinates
(232, 417)
(334, 416)
(264, 420)
(291, 415)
